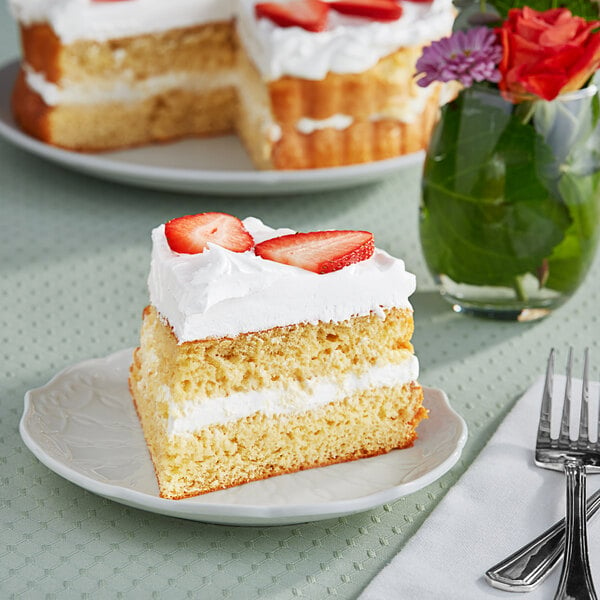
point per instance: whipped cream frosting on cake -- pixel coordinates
(349, 45)
(220, 293)
(73, 20)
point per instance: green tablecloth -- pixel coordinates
(73, 267)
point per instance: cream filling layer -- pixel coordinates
(125, 89)
(408, 111)
(293, 398)
(338, 121)
(128, 90)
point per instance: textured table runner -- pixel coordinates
(74, 258)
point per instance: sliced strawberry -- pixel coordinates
(308, 14)
(318, 251)
(377, 10)
(190, 234)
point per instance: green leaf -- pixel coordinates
(487, 214)
(584, 8)
(571, 259)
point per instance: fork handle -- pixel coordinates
(575, 578)
(526, 568)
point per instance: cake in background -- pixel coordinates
(304, 83)
(264, 352)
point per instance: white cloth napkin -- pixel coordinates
(501, 502)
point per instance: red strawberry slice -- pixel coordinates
(308, 14)
(190, 234)
(377, 10)
(318, 251)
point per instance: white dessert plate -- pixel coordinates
(217, 165)
(82, 425)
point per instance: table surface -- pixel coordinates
(73, 266)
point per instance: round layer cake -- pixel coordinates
(98, 76)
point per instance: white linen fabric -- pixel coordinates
(501, 502)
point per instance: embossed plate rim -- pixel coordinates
(218, 507)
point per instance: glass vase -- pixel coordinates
(509, 217)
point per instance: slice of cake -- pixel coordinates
(265, 352)
(304, 83)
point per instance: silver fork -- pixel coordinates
(575, 458)
(526, 568)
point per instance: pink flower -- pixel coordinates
(465, 56)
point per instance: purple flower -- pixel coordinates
(465, 56)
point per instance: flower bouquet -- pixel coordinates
(511, 185)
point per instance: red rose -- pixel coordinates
(547, 53)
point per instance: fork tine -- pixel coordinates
(583, 437)
(546, 408)
(566, 412)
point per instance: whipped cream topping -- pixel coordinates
(296, 398)
(83, 19)
(348, 45)
(220, 293)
